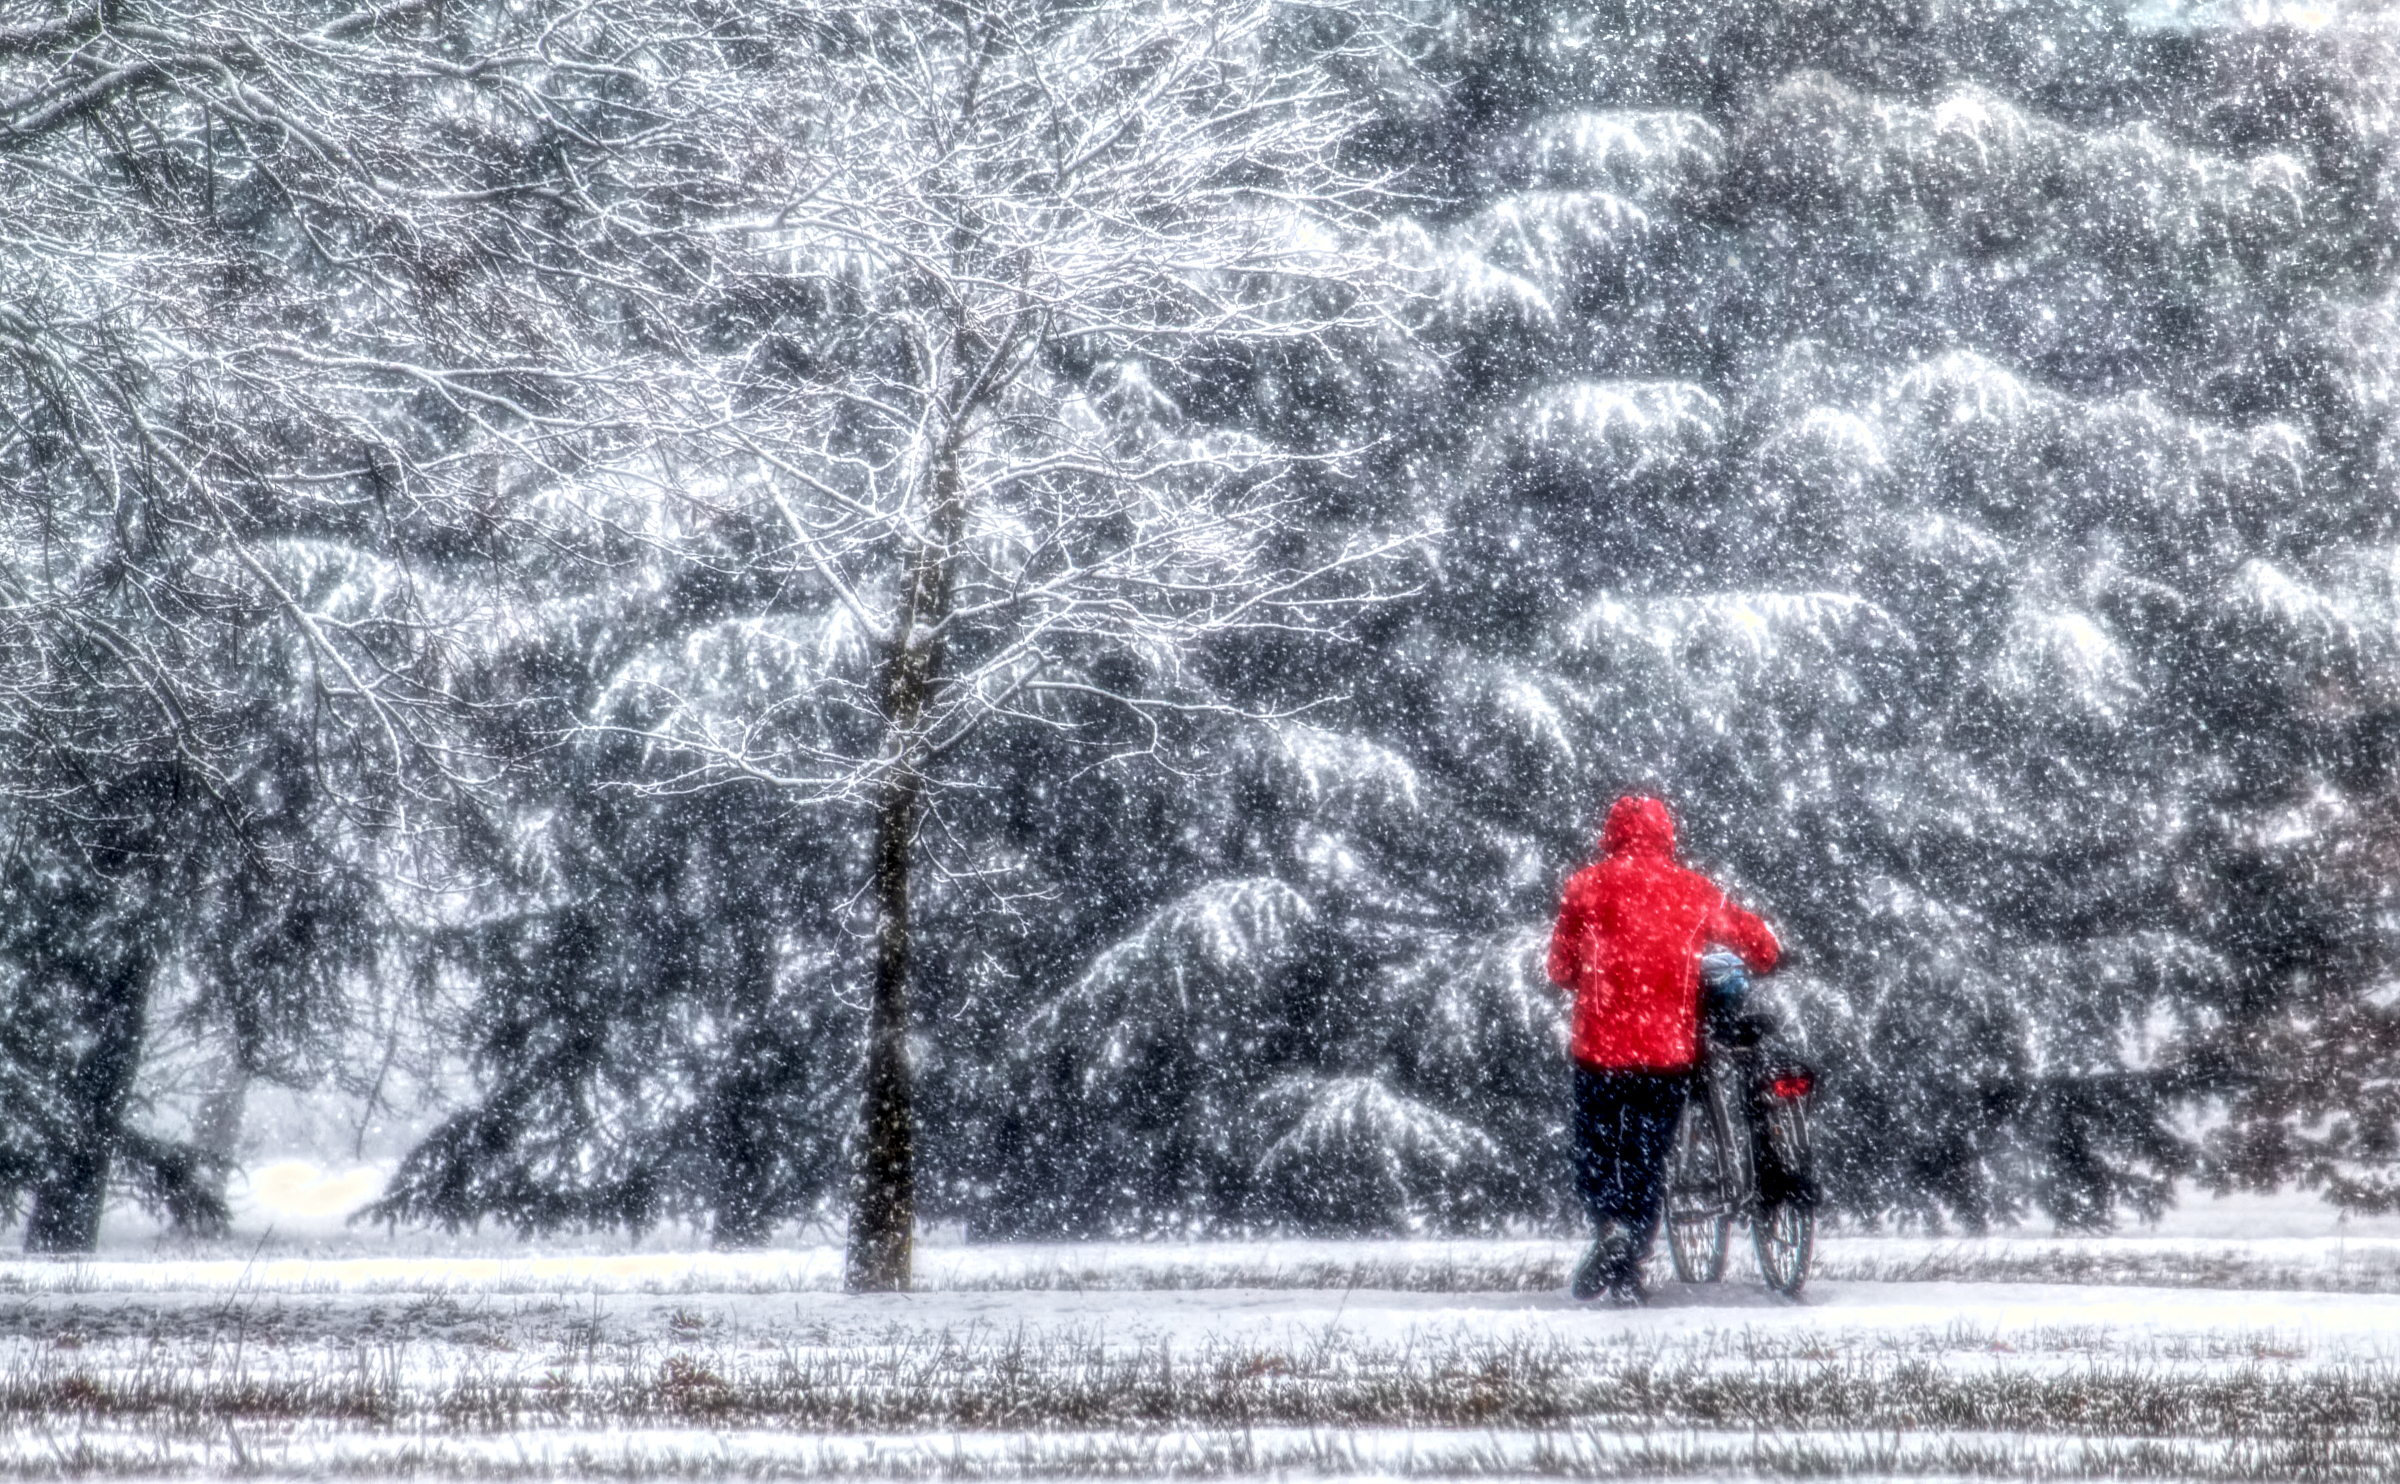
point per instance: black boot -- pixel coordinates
(1603, 1268)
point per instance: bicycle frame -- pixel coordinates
(1745, 1106)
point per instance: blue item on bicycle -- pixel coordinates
(1723, 975)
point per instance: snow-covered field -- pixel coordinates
(2259, 1339)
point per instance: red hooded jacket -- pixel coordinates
(1630, 933)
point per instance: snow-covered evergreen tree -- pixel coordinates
(1944, 449)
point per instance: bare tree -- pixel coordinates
(991, 237)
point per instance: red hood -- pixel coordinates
(1638, 826)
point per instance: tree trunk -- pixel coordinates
(745, 1121)
(882, 1224)
(73, 1191)
(217, 1124)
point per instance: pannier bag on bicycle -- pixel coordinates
(1771, 1073)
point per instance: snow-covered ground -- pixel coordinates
(2236, 1340)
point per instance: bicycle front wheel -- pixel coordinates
(1786, 1229)
(1701, 1187)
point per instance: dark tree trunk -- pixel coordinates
(69, 1197)
(217, 1125)
(745, 1207)
(882, 1224)
(746, 1132)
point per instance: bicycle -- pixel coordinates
(1765, 1176)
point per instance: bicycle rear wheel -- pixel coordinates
(1701, 1185)
(1785, 1230)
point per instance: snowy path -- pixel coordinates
(1219, 1360)
(2026, 1316)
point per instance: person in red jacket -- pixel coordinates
(1631, 929)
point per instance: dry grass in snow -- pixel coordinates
(1404, 1360)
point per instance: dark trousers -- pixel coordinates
(1624, 1125)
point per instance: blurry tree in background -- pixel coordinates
(703, 548)
(214, 685)
(271, 371)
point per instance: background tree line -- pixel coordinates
(1073, 576)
